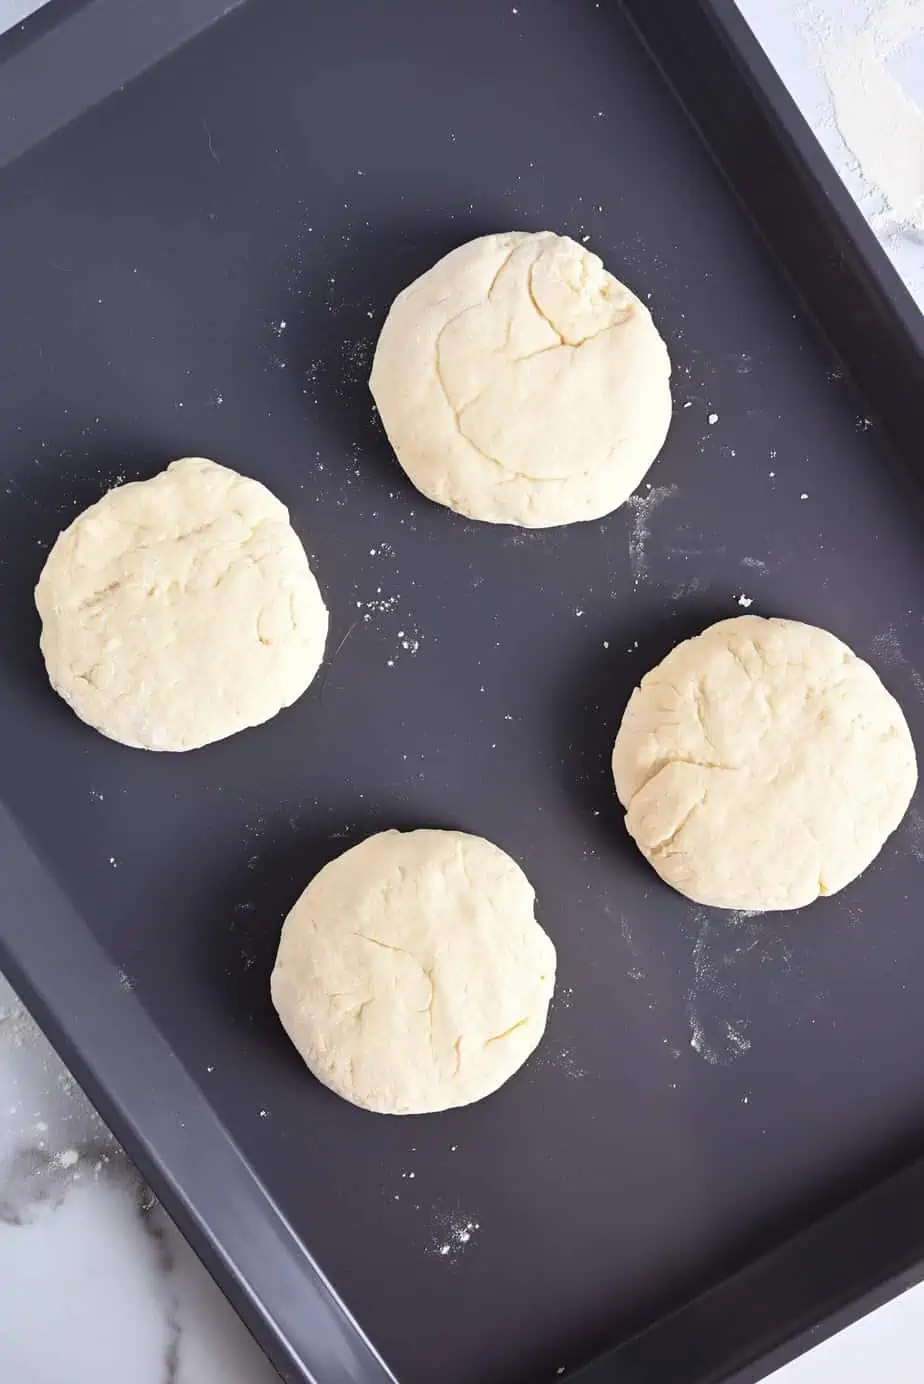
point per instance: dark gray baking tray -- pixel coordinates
(200, 263)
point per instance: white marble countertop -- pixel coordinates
(96, 1285)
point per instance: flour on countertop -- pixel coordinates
(878, 119)
(50, 1135)
(87, 1251)
(16, 1025)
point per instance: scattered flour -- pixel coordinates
(50, 1135)
(886, 646)
(453, 1233)
(887, 649)
(915, 831)
(879, 121)
(718, 1028)
(356, 359)
(626, 930)
(689, 587)
(642, 507)
(386, 610)
(550, 1058)
(564, 1061)
(16, 1025)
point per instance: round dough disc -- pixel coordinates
(179, 610)
(412, 975)
(520, 383)
(762, 764)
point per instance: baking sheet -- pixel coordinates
(200, 265)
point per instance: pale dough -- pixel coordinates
(520, 383)
(762, 764)
(179, 610)
(412, 975)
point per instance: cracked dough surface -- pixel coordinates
(178, 610)
(412, 975)
(520, 383)
(762, 764)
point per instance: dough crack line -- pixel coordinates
(508, 475)
(661, 847)
(572, 347)
(402, 951)
(507, 1032)
(666, 762)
